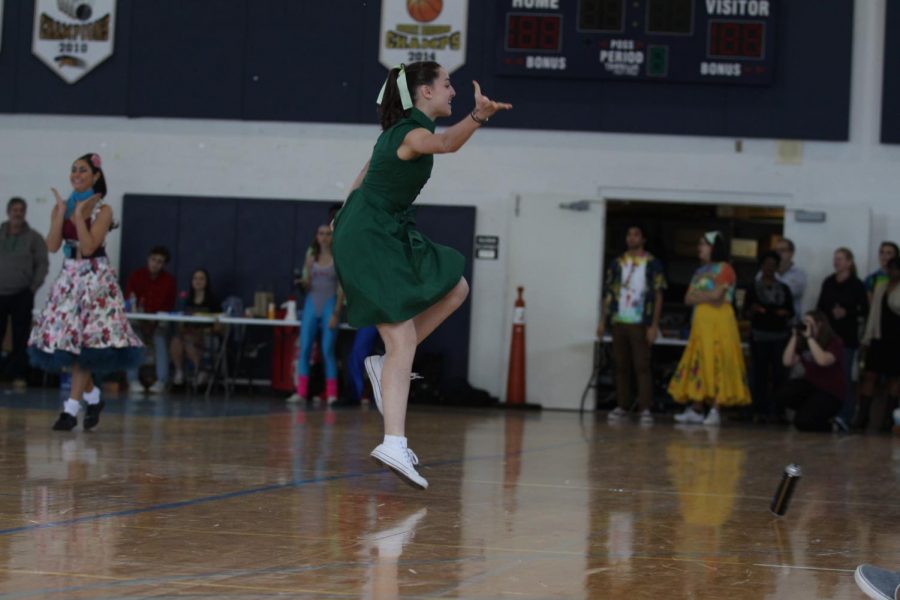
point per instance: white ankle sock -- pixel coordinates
(72, 407)
(395, 441)
(92, 397)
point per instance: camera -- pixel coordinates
(800, 328)
(77, 9)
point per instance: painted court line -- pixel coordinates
(257, 490)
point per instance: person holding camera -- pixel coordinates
(817, 397)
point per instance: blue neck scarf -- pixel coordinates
(75, 198)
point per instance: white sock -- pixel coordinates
(92, 397)
(395, 441)
(72, 407)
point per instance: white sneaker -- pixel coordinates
(646, 417)
(136, 387)
(401, 461)
(374, 364)
(294, 398)
(713, 419)
(617, 414)
(689, 416)
(158, 387)
(179, 378)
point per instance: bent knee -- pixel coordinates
(398, 335)
(461, 291)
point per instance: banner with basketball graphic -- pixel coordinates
(414, 30)
(72, 37)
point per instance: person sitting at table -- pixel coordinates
(632, 300)
(189, 338)
(152, 289)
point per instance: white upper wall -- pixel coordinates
(318, 161)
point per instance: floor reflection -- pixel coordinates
(261, 500)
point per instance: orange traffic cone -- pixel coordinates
(515, 382)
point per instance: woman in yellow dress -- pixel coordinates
(711, 370)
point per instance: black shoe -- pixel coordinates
(92, 415)
(65, 422)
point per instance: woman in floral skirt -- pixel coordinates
(83, 327)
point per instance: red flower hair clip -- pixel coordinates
(95, 160)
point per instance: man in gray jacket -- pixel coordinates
(23, 268)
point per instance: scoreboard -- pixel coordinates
(719, 41)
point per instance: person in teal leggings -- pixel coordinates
(321, 311)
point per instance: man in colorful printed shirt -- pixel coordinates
(632, 301)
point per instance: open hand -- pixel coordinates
(484, 106)
(60, 203)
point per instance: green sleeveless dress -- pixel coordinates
(389, 271)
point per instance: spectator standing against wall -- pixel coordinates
(844, 302)
(711, 370)
(882, 340)
(886, 251)
(632, 301)
(790, 274)
(771, 309)
(321, 311)
(152, 290)
(23, 267)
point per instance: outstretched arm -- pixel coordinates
(421, 141)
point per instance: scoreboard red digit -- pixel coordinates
(721, 41)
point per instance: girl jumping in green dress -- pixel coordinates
(392, 275)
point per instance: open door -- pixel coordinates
(556, 254)
(816, 240)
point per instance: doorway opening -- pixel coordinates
(672, 230)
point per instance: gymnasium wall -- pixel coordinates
(263, 160)
(285, 60)
(890, 112)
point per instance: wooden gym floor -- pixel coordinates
(184, 498)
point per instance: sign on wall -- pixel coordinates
(73, 36)
(414, 30)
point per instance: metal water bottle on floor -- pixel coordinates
(782, 497)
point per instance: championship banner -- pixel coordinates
(73, 36)
(414, 30)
